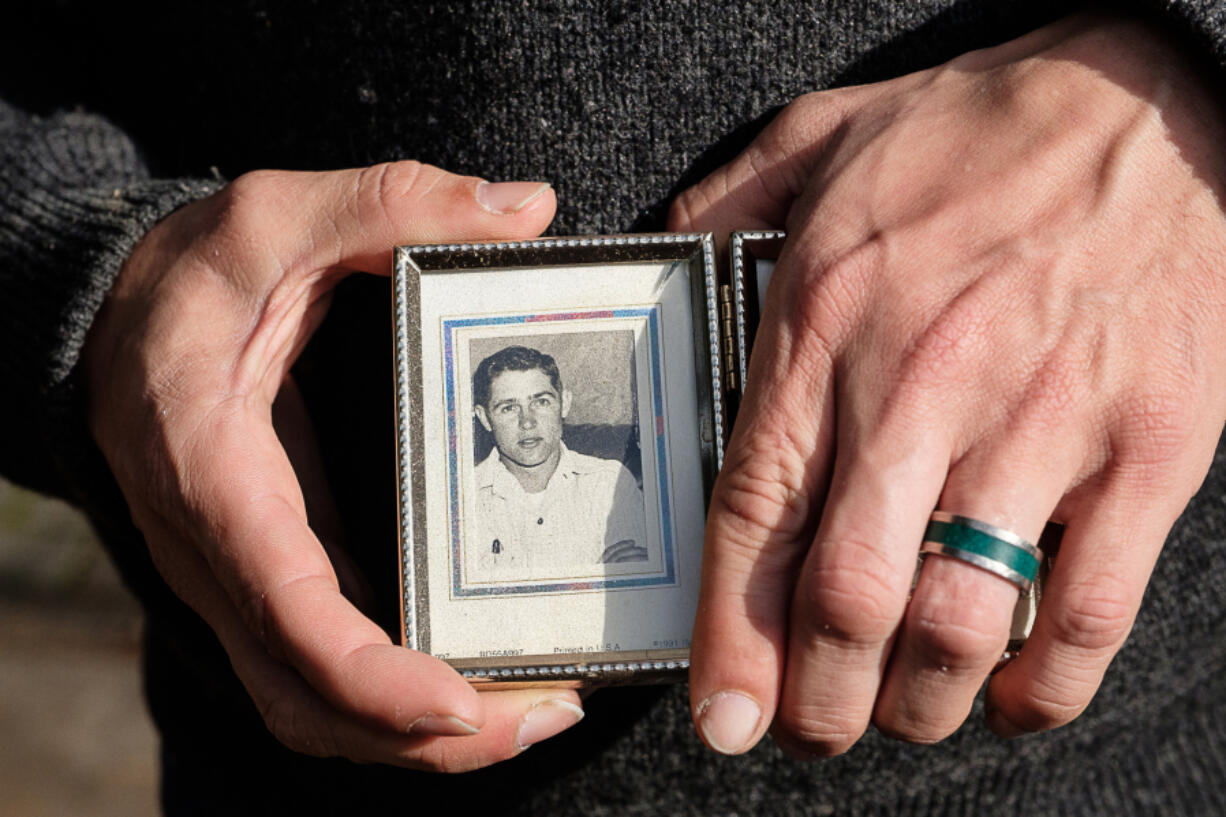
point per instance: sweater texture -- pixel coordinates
(112, 119)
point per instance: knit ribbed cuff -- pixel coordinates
(117, 220)
(74, 201)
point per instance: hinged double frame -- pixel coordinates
(561, 408)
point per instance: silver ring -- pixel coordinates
(988, 547)
(1031, 593)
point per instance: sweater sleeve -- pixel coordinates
(75, 198)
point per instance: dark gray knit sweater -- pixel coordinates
(620, 105)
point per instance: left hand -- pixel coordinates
(1002, 296)
(190, 398)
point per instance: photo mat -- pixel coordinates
(598, 330)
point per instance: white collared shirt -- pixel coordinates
(589, 504)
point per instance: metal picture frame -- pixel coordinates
(626, 327)
(752, 255)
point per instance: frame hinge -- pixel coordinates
(727, 338)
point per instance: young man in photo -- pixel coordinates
(543, 510)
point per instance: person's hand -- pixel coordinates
(183, 366)
(1002, 295)
(626, 550)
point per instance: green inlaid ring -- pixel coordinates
(993, 549)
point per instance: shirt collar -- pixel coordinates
(495, 475)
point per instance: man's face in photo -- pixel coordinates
(525, 415)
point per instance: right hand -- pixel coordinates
(183, 366)
(1002, 296)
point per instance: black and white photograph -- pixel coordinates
(555, 492)
(558, 469)
(559, 430)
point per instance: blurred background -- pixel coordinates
(76, 738)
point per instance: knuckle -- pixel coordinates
(801, 122)
(1094, 617)
(1061, 390)
(254, 611)
(442, 756)
(831, 295)
(247, 199)
(948, 346)
(389, 195)
(290, 726)
(941, 641)
(378, 188)
(1154, 430)
(263, 608)
(774, 165)
(761, 496)
(792, 118)
(1042, 706)
(916, 727)
(850, 598)
(686, 211)
(816, 732)
(245, 215)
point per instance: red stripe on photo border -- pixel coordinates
(567, 316)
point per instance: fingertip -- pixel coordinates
(710, 206)
(681, 213)
(1022, 701)
(408, 202)
(730, 721)
(545, 719)
(501, 211)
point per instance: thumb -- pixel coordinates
(756, 190)
(352, 219)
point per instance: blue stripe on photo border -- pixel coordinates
(449, 384)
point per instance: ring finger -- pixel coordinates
(958, 620)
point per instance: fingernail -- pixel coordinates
(729, 722)
(505, 198)
(546, 719)
(448, 725)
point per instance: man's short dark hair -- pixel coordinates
(514, 359)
